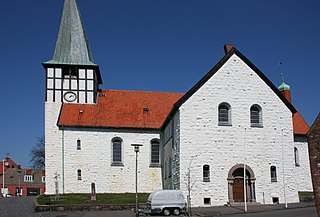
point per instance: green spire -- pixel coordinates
(283, 85)
(72, 46)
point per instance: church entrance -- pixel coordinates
(238, 190)
(236, 184)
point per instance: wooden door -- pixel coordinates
(238, 190)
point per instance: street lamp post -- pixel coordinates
(136, 150)
(19, 191)
(2, 177)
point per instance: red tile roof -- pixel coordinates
(9, 163)
(300, 126)
(28, 172)
(134, 109)
(121, 109)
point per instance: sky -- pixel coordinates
(153, 45)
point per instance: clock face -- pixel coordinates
(70, 96)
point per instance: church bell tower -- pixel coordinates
(72, 76)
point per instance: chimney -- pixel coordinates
(227, 48)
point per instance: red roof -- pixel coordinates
(121, 109)
(133, 109)
(300, 126)
(28, 172)
(8, 163)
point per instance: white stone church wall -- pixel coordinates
(95, 159)
(303, 170)
(202, 141)
(53, 156)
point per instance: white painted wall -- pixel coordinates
(95, 159)
(202, 141)
(303, 172)
(53, 156)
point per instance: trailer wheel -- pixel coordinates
(176, 211)
(166, 212)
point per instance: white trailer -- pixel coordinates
(166, 202)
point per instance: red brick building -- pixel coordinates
(16, 181)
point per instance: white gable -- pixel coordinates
(199, 139)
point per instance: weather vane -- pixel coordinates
(281, 73)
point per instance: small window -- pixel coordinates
(79, 175)
(155, 153)
(224, 114)
(28, 178)
(78, 144)
(117, 152)
(70, 73)
(43, 179)
(296, 157)
(256, 116)
(275, 200)
(207, 201)
(273, 173)
(206, 173)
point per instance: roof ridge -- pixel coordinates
(141, 91)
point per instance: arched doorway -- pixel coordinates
(236, 184)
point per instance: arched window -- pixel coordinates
(206, 173)
(117, 152)
(155, 152)
(224, 114)
(273, 173)
(256, 116)
(79, 174)
(296, 157)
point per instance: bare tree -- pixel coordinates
(37, 154)
(190, 183)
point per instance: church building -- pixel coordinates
(234, 121)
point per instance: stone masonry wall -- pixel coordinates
(53, 157)
(95, 159)
(302, 170)
(202, 141)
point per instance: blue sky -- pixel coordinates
(153, 45)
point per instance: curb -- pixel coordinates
(262, 208)
(83, 207)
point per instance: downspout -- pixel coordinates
(62, 159)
